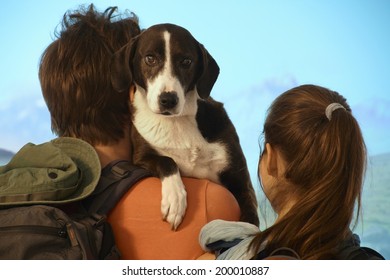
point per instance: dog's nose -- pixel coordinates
(168, 100)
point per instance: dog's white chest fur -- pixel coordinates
(180, 139)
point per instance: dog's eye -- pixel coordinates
(150, 60)
(186, 62)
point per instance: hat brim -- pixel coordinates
(87, 160)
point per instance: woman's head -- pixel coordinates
(323, 159)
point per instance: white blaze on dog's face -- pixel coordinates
(165, 92)
(166, 71)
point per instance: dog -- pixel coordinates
(178, 129)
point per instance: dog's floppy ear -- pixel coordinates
(121, 73)
(209, 74)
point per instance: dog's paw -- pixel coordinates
(174, 200)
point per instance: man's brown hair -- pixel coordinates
(75, 75)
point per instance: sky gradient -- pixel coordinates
(262, 48)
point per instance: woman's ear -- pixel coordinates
(272, 164)
(275, 163)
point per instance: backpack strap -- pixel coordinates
(115, 180)
(282, 253)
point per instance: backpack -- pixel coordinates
(75, 230)
(351, 250)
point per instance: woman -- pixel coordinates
(312, 171)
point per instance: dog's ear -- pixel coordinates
(209, 74)
(121, 73)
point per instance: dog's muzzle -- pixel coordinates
(168, 101)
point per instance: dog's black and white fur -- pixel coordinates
(178, 129)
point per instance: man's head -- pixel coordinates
(75, 75)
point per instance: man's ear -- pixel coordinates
(131, 93)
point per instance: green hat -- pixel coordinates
(62, 170)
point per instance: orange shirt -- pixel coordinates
(140, 232)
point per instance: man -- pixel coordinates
(75, 79)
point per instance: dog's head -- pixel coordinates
(168, 66)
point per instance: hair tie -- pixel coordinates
(332, 107)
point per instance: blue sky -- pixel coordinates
(262, 47)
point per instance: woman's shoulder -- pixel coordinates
(350, 249)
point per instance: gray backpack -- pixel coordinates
(75, 230)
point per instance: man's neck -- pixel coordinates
(114, 151)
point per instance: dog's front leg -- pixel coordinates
(174, 195)
(174, 199)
